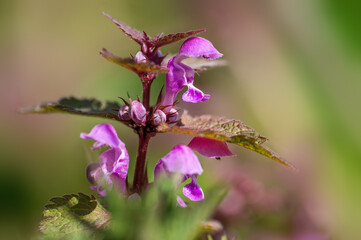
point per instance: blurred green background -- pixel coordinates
(293, 74)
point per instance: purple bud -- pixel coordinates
(138, 113)
(140, 58)
(172, 115)
(124, 113)
(158, 117)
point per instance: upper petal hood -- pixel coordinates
(181, 159)
(103, 134)
(198, 47)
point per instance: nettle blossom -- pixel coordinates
(210, 147)
(183, 161)
(112, 168)
(181, 75)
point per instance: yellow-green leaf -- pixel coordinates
(219, 128)
(74, 214)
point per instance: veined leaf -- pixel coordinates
(171, 38)
(73, 214)
(131, 64)
(87, 107)
(157, 41)
(131, 32)
(219, 128)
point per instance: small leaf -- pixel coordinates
(131, 64)
(232, 131)
(73, 214)
(171, 38)
(87, 107)
(132, 33)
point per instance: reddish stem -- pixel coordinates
(146, 93)
(140, 174)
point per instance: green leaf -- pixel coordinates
(87, 107)
(219, 128)
(155, 215)
(223, 237)
(75, 214)
(131, 64)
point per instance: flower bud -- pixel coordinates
(124, 113)
(158, 117)
(138, 113)
(140, 58)
(172, 115)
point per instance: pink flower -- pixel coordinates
(181, 75)
(183, 161)
(112, 168)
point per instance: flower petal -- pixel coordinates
(193, 191)
(94, 173)
(114, 164)
(181, 159)
(189, 73)
(176, 76)
(197, 47)
(175, 81)
(99, 189)
(115, 160)
(103, 134)
(194, 95)
(181, 203)
(159, 169)
(210, 147)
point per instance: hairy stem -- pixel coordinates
(140, 175)
(140, 166)
(146, 94)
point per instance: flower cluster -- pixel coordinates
(112, 169)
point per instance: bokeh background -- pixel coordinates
(293, 74)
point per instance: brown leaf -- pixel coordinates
(131, 32)
(219, 128)
(131, 64)
(171, 38)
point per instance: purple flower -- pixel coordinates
(138, 113)
(181, 75)
(113, 163)
(183, 161)
(210, 147)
